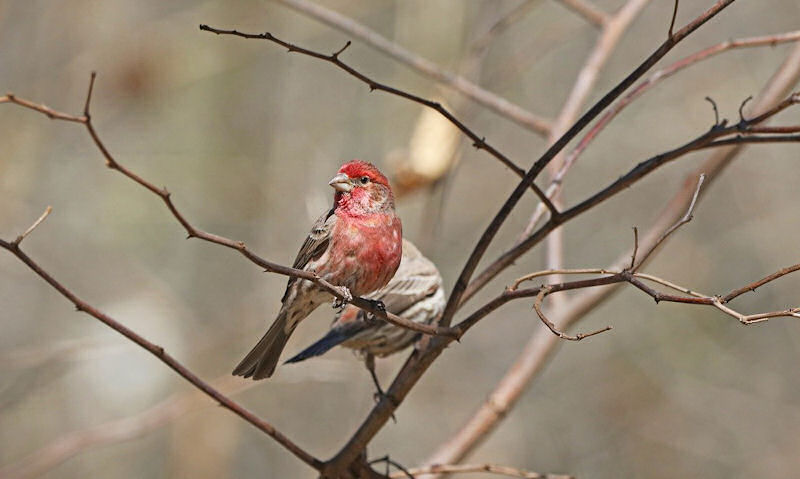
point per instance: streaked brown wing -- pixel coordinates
(315, 244)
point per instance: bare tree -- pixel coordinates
(724, 137)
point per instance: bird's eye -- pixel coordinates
(364, 180)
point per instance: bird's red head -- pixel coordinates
(358, 169)
(361, 188)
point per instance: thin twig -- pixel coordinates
(626, 180)
(685, 219)
(613, 28)
(761, 282)
(401, 470)
(485, 468)
(551, 272)
(537, 306)
(655, 78)
(635, 246)
(463, 281)
(542, 345)
(672, 22)
(477, 141)
(32, 227)
(492, 101)
(507, 20)
(589, 12)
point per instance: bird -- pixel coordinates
(356, 245)
(415, 293)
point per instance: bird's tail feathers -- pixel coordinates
(335, 337)
(261, 361)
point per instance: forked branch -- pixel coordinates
(194, 232)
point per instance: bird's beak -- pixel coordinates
(341, 182)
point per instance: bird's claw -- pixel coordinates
(377, 304)
(380, 395)
(347, 296)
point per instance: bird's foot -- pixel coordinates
(347, 296)
(381, 395)
(377, 304)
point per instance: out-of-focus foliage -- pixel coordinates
(246, 137)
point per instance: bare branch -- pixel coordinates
(542, 344)
(41, 108)
(193, 232)
(489, 233)
(166, 358)
(478, 142)
(589, 12)
(613, 28)
(672, 22)
(761, 282)
(626, 180)
(685, 219)
(32, 227)
(513, 16)
(486, 468)
(655, 78)
(118, 430)
(537, 305)
(551, 272)
(492, 101)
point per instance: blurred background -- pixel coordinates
(246, 137)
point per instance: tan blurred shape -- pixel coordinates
(431, 152)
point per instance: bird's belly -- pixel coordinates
(363, 262)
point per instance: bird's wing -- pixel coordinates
(415, 279)
(315, 244)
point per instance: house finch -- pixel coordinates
(357, 245)
(415, 293)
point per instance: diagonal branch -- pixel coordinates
(194, 232)
(542, 346)
(164, 357)
(492, 101)
(489, 233)
(655, 78)
(589, 12)
(117, 430)
(421, 359)
(477, 141)
(612, 29)
(494, 469)
(635, 174)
